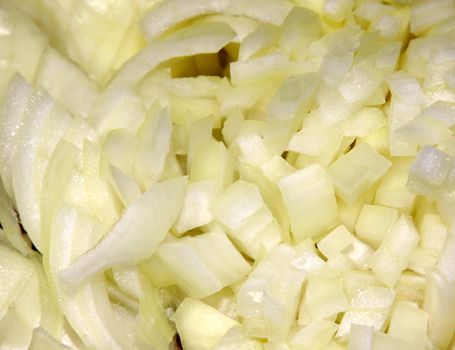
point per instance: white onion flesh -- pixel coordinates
(227, 174)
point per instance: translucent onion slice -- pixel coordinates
(169, 13)
(11, 114)
(192, 40)
(45, 124)
(59, 76)
(41, 340)
(136, 234)
(87, 307)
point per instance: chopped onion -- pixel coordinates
(227, 174)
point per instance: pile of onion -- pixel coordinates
(227, 174)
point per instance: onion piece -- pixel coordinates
(136, 234)
(324, 298)
(393, 255)
(314, 335)
(153, 148)
(12, 112)
(374, 222)
(168, 14)
(216, 263)
(44, 125)
(268, 309)
(15, 273)
(440, 305)
(369, 306)
(41, 340)
(199, 325)
(429, 171)
(196, 207)
(340, 244)
(249, 222)
(393, 190)
(201, 38)
(86, 307)
(270, 11)
(24, 315)
(101, 199)
(357, 171)
(60, 175)
(294, 97)
(153, 325)
(313, 208)
(388, 341)
(117, 146)
(59, 76)
(124, 186)
(257, 41)
(10, 224)
(361, 337)
(425, 14)
(409, 323)
(235, 338)
(24, 35)
(211, 160)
